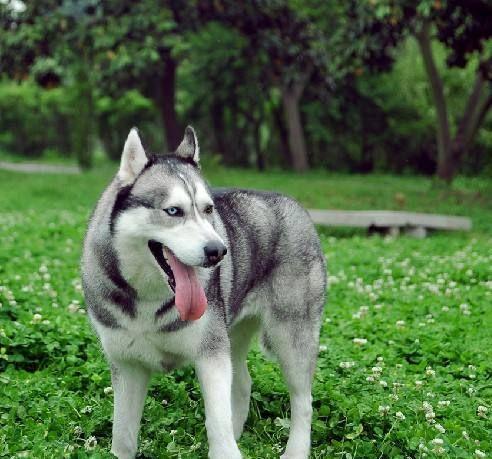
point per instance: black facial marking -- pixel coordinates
(105, 317)
(167, 306)
(175, 325)
(124, 201)
(122, 294)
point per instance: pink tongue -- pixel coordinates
(190, 297)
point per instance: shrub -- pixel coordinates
(116, 116)
(33, 119)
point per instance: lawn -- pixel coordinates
(405, 364)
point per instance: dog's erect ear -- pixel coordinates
(133, 159)
(188, 148)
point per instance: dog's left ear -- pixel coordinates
(133, 159)
(188, 148)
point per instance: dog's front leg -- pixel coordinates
(215, 375)
(130, 388)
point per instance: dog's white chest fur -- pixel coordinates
(141, 342)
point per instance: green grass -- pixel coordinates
(424, 307)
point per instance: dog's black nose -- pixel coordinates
(214, 252)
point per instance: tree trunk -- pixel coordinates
(445, 168)
(82, 129)
(480, 114)
(297, 145)
(462, 137)
(218, 128)
(283, 136)
(166, 97)
(260, 157)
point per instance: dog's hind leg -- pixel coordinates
(240, 337)
(130, 388)
(296, 347)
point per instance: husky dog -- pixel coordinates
(176, 273)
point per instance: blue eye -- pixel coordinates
(174, 211)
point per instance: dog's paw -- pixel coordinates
(229, 454)
(120, 454)
(295, 455)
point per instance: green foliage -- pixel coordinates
(33, 120)
(405, 297)
(116, 116)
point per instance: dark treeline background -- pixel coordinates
(354, 86)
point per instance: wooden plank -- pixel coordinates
(388, 219)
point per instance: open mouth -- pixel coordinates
(157, 249)
(190, 298)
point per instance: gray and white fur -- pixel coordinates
(272, 282)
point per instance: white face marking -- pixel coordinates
(202, 198)
(179, 198)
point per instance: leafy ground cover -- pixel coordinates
(406, 350)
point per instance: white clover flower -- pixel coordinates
(419, 384)
(359, 341)
(376, 370)
(399, 415)
(90, 443)
(108, 390)
(427, 407)
(482, 411)
(439, 450)
(77, 430)
(430, 372)
(383, 383)
(380, 359)
(323, 348)
(394, 397)
(72, 307)
(86, 409)
(400, 323)
(440, 428)
(346, 364)
(443, 403)
(465, 435)
(430, 416)
(471, 390)
(370, 378)
(437, 441)
(36, 318)
(383, 410)
(480, 453)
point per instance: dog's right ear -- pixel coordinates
(133, 159)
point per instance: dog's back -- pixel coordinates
(274, 249)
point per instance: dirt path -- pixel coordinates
(39, 168)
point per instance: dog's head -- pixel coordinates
(164, 203)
